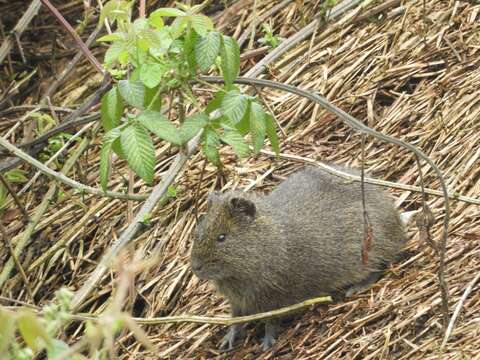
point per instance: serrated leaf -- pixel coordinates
(111, 109)
(206, 50)
(192, 125)
(111, 37)
(230, 56)
(272, 134)
(32, 330)
(189, 49)
(160, 126)
(201, 24)
(234, 105)
(237, 142)
(210, 142)
(151, 74)
(168, 12)
(258, 126)
(139, 151)
(133, 92)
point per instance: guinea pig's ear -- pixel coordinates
(242, 207)
(213, 198)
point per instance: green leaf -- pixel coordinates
(112, 37)
(140, 24)
(124, 57)
(159, 41)
(189, 49)
(114, 52)
(192, 125)
(56, 348)
(108, 139)
(201, 24)
(139, 151)
(178, 25)
(32, 330)
(272, 134)
(206, 50)
(133, 92)
(234, 105)
(151, 74)
(216, 102)
(7, 326)
(150, 95)
(243, 126)
(210, 142)
(107, 10)
(168, 12)
(117, 148)
(160, 126)
(111, 109)
(16, 176)
(258, 126)
(237, 142)
(230, 56)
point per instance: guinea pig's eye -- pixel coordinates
(221, 238)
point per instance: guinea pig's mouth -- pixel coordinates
(203, 271)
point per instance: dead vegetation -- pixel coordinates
(410, 70)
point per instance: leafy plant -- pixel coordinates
(154, 62)
(268, 37)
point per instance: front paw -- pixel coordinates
(228, 341)
(267, 342)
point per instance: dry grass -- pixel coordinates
(409, 73)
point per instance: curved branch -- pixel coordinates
(65, 179)
(390, 184)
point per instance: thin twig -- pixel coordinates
(20, 27)
(389, 184)
(18, 265)
(367, 227)
(75, 36)
(458, 308)
(71, 65)
(197, 191)
(17, 201)
(65, 179)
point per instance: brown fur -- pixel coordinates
(301, 241)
